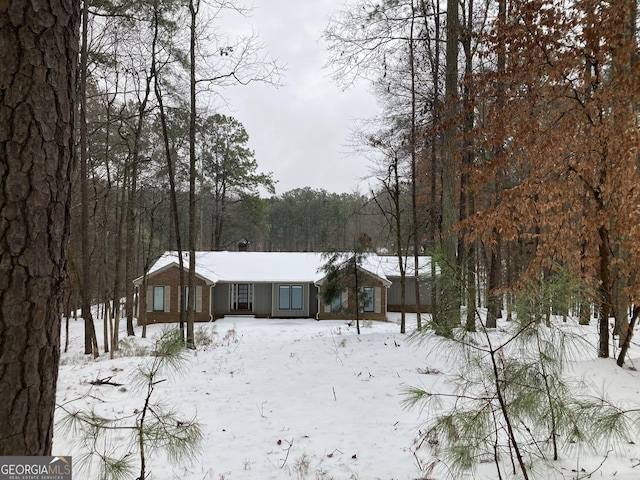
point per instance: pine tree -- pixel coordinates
(154, 428)
(39, 56)
(511, 403)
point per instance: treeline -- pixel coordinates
(157, 162)
(507, 144)
(299, 220)
(513, 128)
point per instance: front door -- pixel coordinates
(242, 296)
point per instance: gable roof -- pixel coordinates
(269, 267)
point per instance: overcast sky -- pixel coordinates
(300, 131)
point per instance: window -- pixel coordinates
(158, 299)
(198, 299)
(368, 299)
(241, 296)
(336, 303)
(290, 297)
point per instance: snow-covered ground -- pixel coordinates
(302, 399)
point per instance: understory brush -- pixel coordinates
(512, 403)
(121, 445)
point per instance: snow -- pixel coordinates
(276, 267)
(301, 399)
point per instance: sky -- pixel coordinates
(301, 131)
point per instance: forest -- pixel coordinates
(507, 143)
(507, 148)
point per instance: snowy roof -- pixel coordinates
(390, 267)
(269, 267)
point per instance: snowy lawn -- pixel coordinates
(301, 399)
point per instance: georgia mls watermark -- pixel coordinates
(35, 468)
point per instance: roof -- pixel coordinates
(268, 267)
(390, 267)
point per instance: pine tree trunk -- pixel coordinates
(38, 78)
(130, 247)
(434, 227)
(414, 193)
(494, 302)
(131, 264)
(467, 200)
(90, 341)
(119, 270)
(449, 311)
(170, 172)
(194, 6)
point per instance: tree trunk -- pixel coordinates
(85, 274)
(129, 244)
(401, 258)
(414, 183)
(131, 264)
(494, 302)
(628, 335)
(449, 311)
(357, 292)
(191, 300)
(605, 292)
(494, 307)
(38, 76)
(172, 184)
(120, 254)
(434, 226)
(467, 205)
(170, 165)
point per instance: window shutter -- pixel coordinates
(345, 299)
(377, 299)
(211, 307)
(167, 298)
(149, 298)
(198, 298)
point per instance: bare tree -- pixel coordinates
(238, 63)
(392, 208)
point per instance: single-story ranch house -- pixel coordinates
(271, 285)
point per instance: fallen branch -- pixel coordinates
(105, 381)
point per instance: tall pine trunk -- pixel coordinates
(466, 252)
(414, 183)
(170, 164)
(39, 58)
(494, 301)
(194, 6)
(90, 341)
(449, 312)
